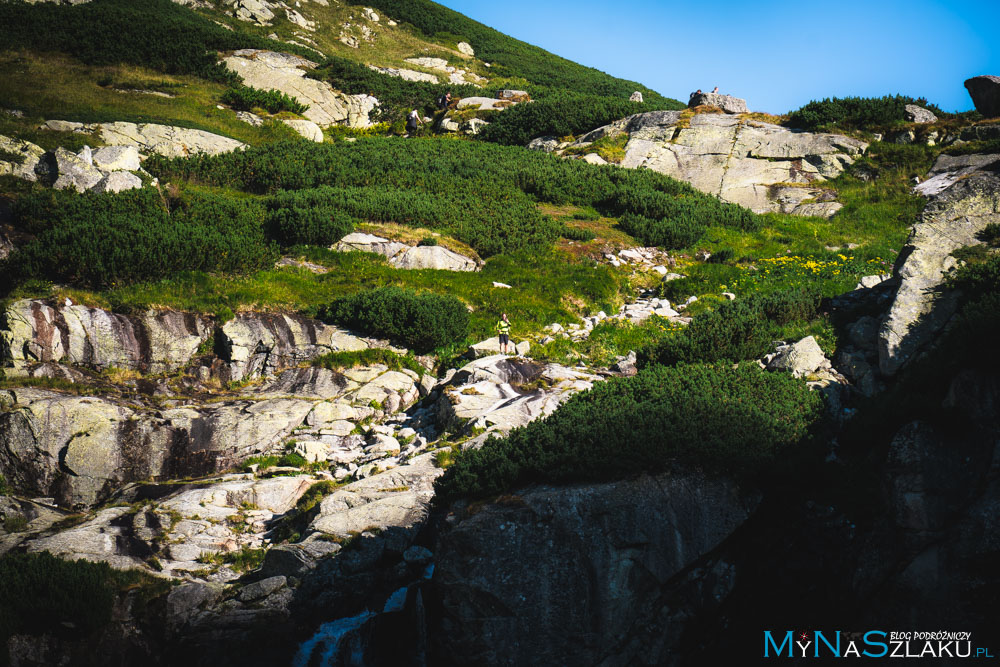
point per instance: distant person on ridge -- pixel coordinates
(715, 91)
(411, 123)
(503, 328)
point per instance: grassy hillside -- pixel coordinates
(509, 56)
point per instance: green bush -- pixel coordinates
(428, 241)
(856, 112)
(671, 234)
(245, 98)
(100, 240)
(422, 321)
(320, 225)
(577, 234)
(561, 114)
(736, 330)
(158, 34)
(42, 594)
(482, 194)
(717, 416)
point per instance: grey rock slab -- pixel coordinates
(261, 343)
(165, 139)
(727, 103)
(599, 551)
(118, 181)
(951, 220)
(270, 70)
(738, 161)
(27, 158)
(800, 358)
(261, 589)
(117, 158)
(378, 501)
(73, 172)
(918, 114)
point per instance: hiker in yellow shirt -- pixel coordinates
(503, 328)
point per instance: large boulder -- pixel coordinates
(499, 393)
(564, 575)
(918, 114)
(964, 194)
(749, 163)
(118, 181)
(727, 103)
(306, 128)
(800, 359)
(71, 171)
(405, 256)
(433, 257)
(253, 11)
(117, 158)
(985, 93)
(270, 70)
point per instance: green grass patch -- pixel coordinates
(369, 357)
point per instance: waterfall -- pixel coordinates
(328, 638)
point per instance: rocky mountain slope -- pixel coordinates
(249, 467)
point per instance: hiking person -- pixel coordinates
(715, 91)
(444, 101)
(412, 119)
(503, 329)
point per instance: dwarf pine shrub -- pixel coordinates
(736, 330)
(716, 416)
(422, 321)
(856, 112)
(245, 98)
(100, 240)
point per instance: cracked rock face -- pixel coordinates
(157, 341)
(740, 161)
(964, 194)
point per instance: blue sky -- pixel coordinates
(776, 53)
